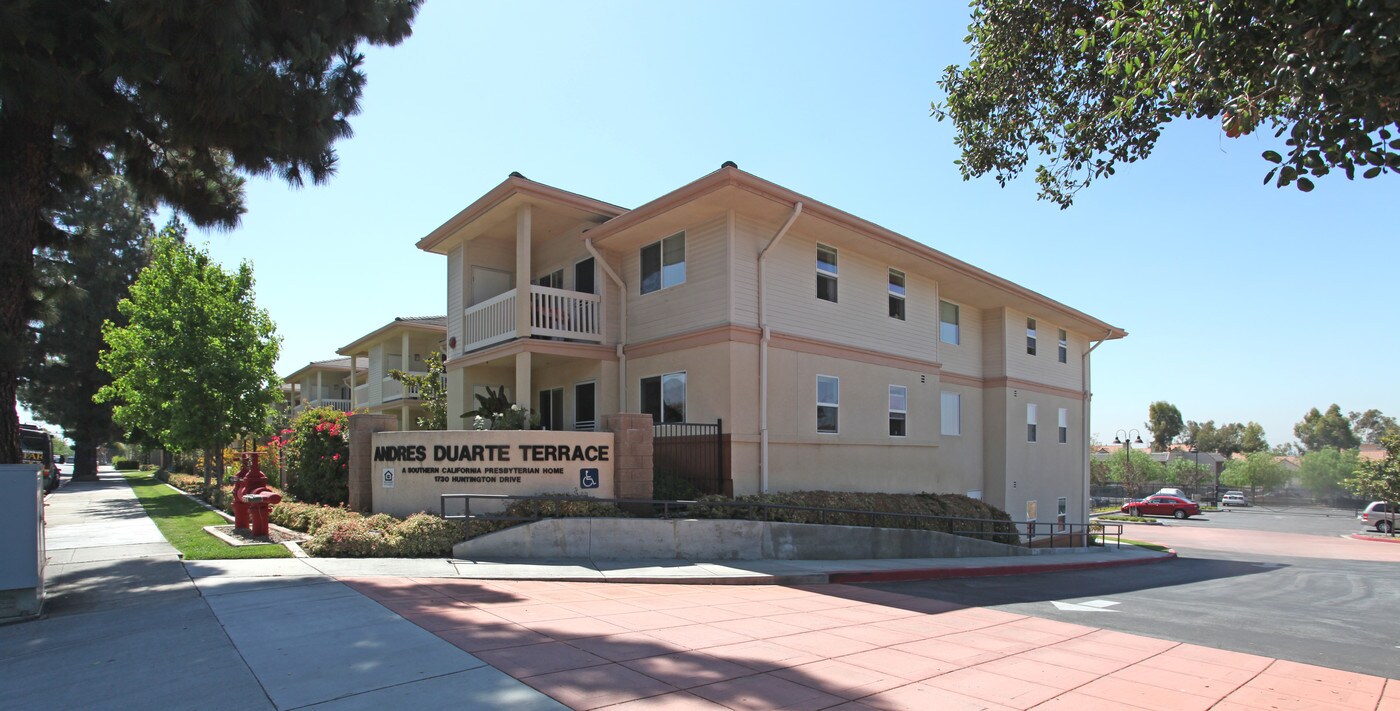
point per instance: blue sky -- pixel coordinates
(1243, 302)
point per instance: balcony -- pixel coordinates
(554, 313)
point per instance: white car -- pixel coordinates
(1378, 514)
(1233, 500)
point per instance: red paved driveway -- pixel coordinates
(657, 646)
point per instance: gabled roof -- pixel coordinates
(426, 324)
(330, 364)
(515, 187)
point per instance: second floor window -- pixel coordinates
(826, 273)
(949, 330)
(663, 263)
(1064, 426)
(1030, 336)
(897, 294)
(1030, 422)
(1064, 346)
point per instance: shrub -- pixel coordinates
(123, 464)
(308, 518)
(670, 486)
(318, 452)
(569, 508)
(383, 536)
(993, 524)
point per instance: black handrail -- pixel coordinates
(1067, 532)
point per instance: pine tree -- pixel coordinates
(179, 97)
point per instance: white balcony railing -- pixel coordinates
(554, 313)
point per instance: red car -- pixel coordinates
(1163, 506)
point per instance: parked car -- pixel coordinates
(1378, 514)
(1178, 493)
(1156, 505)
(1233, 499)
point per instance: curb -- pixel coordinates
(1376, 539)
(893, 576)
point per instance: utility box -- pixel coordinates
(22, 554)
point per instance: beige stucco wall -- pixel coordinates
(1038, 471)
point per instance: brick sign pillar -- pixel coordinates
(362, 429)
(632, 472)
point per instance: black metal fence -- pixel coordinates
(692, 451)
(1031, 534)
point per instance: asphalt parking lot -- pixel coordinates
(1282, 582)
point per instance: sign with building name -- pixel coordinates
(417, 467)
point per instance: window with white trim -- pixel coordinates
(1064, 346)
(1064, 425)
(897, 294)
(828, 404)
(949, 330)
(551, 409)
(899, 410)
(663, 263)
(1030, 422)
(663, 397)
(1030, 336)
(950, 408)
(826, 273)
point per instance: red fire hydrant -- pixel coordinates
(240, 486)
(257, 497)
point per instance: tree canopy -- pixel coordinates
(1323, 471)
(1329, 429)
(110, 231)
(1164, 422)
(1380, 478)
(1371, 425)
(180, 97)
(432, 392)
(1083, 86)
(1258, 470)
(193, 366)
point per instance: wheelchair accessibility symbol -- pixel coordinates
(588, 478)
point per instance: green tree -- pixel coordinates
(1330, 429)
(1083, 86)
(1252, 438)
(1133, 469)
(1257, 470)
(1225, 440)
(1164, 422)
(318, 455)
(193, 366)
(109, 230)
(1189, 473)
(1380, 478)
(1323, 471)
(1371, 425)
(432, 393)
(181, 97)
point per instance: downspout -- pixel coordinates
(622, 325)
(763, 351)
(1084, 449)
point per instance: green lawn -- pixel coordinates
(182, 522)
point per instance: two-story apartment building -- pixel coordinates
(321, 383)
(406, 344)
(838, 354)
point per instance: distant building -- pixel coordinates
(405, 344)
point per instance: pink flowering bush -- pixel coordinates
(318, 452)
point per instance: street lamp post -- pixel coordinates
(1125, 438)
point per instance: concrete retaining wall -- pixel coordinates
(708, 539)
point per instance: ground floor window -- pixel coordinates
(951, 406)
(663, 397)
(552, 409)
(585, 412)
(828, 403)
(899, 409)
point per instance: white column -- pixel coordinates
(403, 419)
(318, 386)
(522, 379)
(404, 358)
(522, 273)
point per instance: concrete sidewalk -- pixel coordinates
(130, 624)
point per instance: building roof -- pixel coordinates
(426, 324)
(330, 364)
(732, 185)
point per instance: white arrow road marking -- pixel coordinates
(1090, 606)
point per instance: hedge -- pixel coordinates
(122, 464)
(340, 533)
